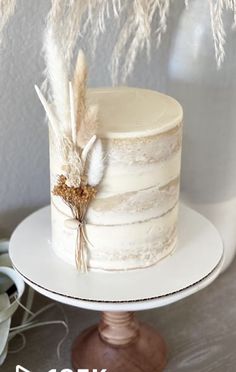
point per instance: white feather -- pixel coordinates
(50, 114)
(58, 77)
(95, 167)
(87, 148)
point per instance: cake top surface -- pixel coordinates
(126, 112)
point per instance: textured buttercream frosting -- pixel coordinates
(132, 222)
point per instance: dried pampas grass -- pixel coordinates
(7, 9)
(136, 23)
(80, 82)
(217, 8)
(72, 120)
(66, 17)
(88, 126)
(135, 19)
(68, 98)
(74, 125)
(57, 74)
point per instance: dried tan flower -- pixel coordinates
(77, 198)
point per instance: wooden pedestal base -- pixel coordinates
(119, 344)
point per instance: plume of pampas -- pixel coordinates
(218, 31)
(66, 18)
(96, 164)
(137, 24)
(79, 83)
(135, 20)
(72, 114)
(57, 74)
(73, 122)
(86, 116)
(88, 126)
(164, 6)
(7, 9)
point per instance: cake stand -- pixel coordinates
(119, 342)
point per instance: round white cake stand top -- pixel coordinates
(196, 262)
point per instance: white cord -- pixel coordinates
(29, 304)
(30, 324)
(28, 319)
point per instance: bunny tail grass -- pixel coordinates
(95, 169)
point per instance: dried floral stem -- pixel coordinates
(78, 199)
(80, 251)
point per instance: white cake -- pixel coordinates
(132, 222)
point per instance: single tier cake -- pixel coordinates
(132, 221)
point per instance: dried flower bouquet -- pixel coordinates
(73, 124)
